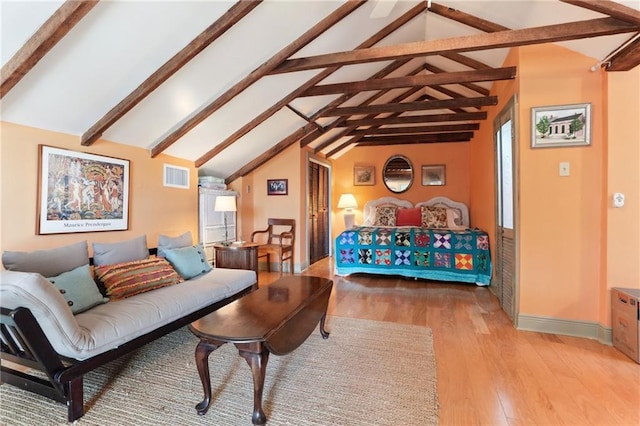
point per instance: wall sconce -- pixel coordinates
(225, 203)
(348, 202)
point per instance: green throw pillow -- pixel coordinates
(188, 261)
(79, 289)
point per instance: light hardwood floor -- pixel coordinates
(488, 372)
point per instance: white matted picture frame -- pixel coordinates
(433, 175)
(364, 175)
(80, 192)
(561, 125)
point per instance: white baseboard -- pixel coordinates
(586, 329)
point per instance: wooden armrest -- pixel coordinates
(254, 233)
(285, 234)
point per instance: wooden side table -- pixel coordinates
(237, 256)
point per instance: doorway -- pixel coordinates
(318, 215)
(505, 263)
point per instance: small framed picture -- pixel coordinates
(433, 175)
(364, 175)
(563, 125)
(277, 186)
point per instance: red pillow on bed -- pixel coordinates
(409, 217)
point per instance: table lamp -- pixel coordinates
(225, 203)
(348, 202)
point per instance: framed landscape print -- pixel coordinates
(433, 175)
(563, 125)
(80, 192)
(364, 175)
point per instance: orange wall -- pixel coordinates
(561, 218)
(623, 175)
(255, 206)
(153, 209)
(455, 156)
(482, 171)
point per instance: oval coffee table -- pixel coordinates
(273, 319)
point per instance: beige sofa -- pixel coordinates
(42, 331)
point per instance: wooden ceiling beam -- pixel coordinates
(415, 139)
(341, 120)
(409, 130)
(270, 153)
(255, 75)
(39, 44)
(380, 35)
(413, 81)
(466, 19)
(465, 60)
(412, 119)
(611, 8)
(341, 99)
(626, 58)
(395, 119)
(500, 39)
(173, 65)
(414, 106)
(469, 85)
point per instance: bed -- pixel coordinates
(431, 240)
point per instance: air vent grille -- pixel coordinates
(176, 177)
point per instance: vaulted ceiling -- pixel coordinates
(229, 85)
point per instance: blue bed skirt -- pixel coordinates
(433, 254)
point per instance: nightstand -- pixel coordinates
(237, 256)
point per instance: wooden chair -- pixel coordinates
(279, 242)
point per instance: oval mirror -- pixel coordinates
(397, 174)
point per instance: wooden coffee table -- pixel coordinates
(274, 319)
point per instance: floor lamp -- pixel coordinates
(224, 204)
(348, 202)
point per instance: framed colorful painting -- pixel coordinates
(80, 192)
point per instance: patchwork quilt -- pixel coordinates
(428, 253)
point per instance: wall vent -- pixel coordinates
(176, 177)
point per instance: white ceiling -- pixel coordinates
(119, 44)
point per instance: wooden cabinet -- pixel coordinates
(237, 256)
(211, 226)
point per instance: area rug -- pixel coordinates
(366, 373)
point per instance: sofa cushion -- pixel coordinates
(78, 289)
(123, 251)
(188, 261)
(165, 242)
(49, 262)
(130, 278)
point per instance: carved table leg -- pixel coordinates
(323, 331)
(204, 348)
(257, 357)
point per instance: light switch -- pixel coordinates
(564, 168)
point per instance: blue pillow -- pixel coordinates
(79, 289)
(188, 261)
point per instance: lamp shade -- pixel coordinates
(225, 203)
(347, 201)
